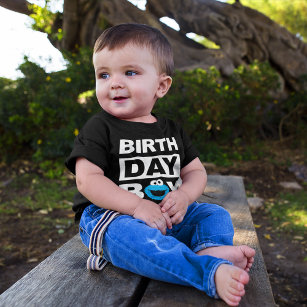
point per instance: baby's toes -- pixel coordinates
(240, 276)
(235, 288)
(249, 263)
(236, 292)
(232, 300)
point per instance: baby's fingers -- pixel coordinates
(161, 225)
(177, 218)
(168, 221)
(167, 205)
(166, 198)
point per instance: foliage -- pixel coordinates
(44, 20)
(288, 212)
(295, 114)
(226, 118)
(52, 169)
(290, 14)
(41, 113)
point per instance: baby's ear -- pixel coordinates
(165, 83)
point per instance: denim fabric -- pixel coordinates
(130, 244)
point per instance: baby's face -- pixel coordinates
(127, 82)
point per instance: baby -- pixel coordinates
(142, 176)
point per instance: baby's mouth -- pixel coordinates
(119, 98)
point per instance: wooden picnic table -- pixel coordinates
(63, 280)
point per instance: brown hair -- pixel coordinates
(140, 35)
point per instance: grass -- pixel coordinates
(49, 195)
(49, 223)
(288, 212)
(52, 191)
(37, 193)
(7, 209)
(37, 203)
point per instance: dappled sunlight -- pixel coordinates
(245, 237)
(288, 212)
(212, 189)
(203, 40)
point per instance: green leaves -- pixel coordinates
(226, 118)
(40, 113)
(290, 14)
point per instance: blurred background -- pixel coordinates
(239, 91)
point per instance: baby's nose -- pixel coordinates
(117, 83)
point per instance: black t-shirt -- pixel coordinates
(142, 158)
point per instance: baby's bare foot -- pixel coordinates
(230, 282)
(241, 256)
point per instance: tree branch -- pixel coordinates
(242, 33)
(19, 6)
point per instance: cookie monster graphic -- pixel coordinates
(156, 190)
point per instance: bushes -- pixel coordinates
(220, 110)
(41, 113)
(233, 113)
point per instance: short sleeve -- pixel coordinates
(92, 144)
(190, 152)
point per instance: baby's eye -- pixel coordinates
(104, 75)
(131, 73)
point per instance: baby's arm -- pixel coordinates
(194, 180)
(104, 193)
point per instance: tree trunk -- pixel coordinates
(243, 34)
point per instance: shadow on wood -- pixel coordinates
(63, 280)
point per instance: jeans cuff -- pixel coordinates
(205, 245)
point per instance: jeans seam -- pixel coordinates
(84, 231)
(188, 281)
(222, 234)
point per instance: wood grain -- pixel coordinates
(62, 279)
(229, 192)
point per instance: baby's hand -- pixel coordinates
(175, 204)
(151, 214)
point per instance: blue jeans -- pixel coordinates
(130, 244)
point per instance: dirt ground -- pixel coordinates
(283, 254)
(24, 242)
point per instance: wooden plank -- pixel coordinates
(63, 280)
(229, 192)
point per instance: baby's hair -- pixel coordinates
(140, 35)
